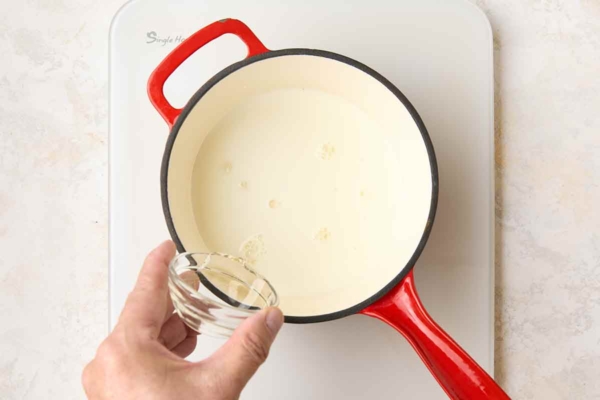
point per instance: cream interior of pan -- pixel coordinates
(312, 169)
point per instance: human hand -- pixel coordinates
(144, 357)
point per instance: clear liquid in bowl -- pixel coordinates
(214, 293)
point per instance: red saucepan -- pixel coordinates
(322, 167)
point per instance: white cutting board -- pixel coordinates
(439, 53)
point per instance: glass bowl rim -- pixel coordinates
(181, 284)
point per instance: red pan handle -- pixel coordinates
(458, 374)
(195, 42)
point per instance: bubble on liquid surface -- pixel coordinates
(273, 204)
(253, 248)
(325, 151)
(322, 235)
(244, 185)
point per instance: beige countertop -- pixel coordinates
(53, 195)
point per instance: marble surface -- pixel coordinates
(53, 195)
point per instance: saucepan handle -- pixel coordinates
(458, 374)
(195, 42)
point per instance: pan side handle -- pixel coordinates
(188, 47)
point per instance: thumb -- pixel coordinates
(239, 359)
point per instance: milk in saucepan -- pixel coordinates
(310, 189)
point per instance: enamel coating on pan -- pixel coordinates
(353, 309)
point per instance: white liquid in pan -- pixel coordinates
(315, 191)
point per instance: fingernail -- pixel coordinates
(274, 320)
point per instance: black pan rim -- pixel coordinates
(356, 64)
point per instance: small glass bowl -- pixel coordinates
(214, 293)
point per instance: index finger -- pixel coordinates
(148, 303)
